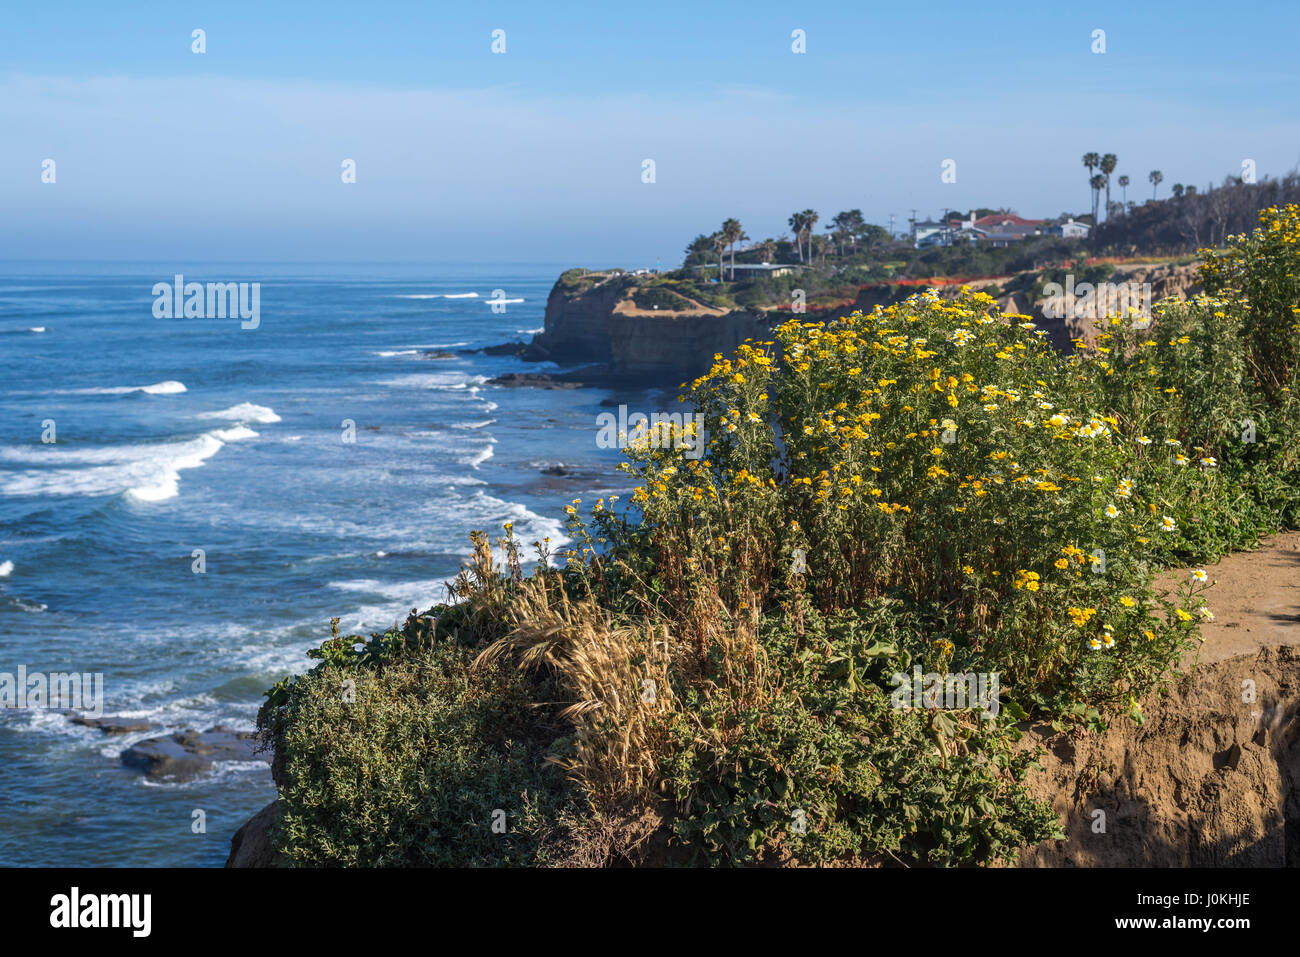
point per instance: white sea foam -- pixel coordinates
(244, 412)
(36, 329)
(475, 459)
(437, 295)
(170, 387)
(146, 472)
(235, 433)
(388, 354)
(426, 592)
(22, 604)
(530, 332)
(494, 301)
(6, 569)
(434, 380)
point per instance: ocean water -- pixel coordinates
(184, 434)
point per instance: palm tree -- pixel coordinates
(796, 224)
(768, 248)
(1092, 161)
(1108, 164)
(1155, 176)
(719, 246)
(732, 232)
(1177, 190)
(1097, 182)
(1123, 184)
(809, 223)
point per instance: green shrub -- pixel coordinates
(827, 769)
(411, 772)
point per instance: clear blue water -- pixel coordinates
(247, 463)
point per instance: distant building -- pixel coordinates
(1070, 229)
(1009, 222)
(752, 270)
(998, 229)
(929, 233)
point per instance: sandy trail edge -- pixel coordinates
(1213, 777)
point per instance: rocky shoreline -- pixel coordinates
(180, 756)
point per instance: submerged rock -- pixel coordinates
(112, 725)
(189, 753)
(536, 380)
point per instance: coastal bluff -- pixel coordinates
(641, 336)
(643, 329)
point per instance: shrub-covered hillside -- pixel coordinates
(739, 664)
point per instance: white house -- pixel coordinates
(1070, 229)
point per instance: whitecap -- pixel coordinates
(434, 380)
(147, 472)
(170, 387)
(244, 412)
(235, 433)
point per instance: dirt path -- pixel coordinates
(1255, 600)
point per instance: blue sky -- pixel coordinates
(536, 155)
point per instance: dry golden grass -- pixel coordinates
(617, 677)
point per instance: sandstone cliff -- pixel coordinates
(595, 317)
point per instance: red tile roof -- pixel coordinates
(1007, 219)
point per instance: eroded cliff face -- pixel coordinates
(595, 318)
(576, 327)
(673, 348)
(1212, 778)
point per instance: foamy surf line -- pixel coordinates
(146, 473)
(438, 295)
(170, 387)
(451, 381)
